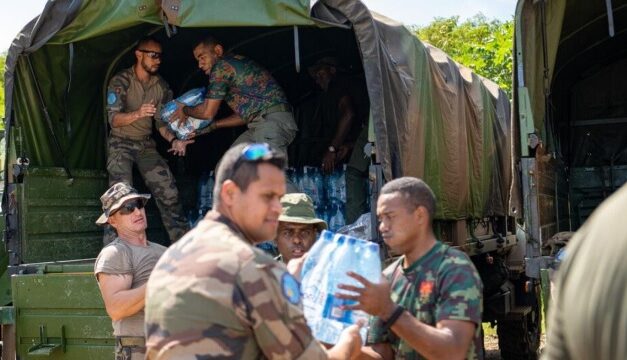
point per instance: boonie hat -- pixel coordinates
(322, 62)
(113, 198)
(298, 208)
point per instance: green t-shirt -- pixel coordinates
(442, 285)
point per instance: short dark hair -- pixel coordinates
(242, 173)
(415, 192)
(145, 40)
(208, 41)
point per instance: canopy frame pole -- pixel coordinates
(610, 17)
(296, 49)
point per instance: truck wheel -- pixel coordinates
(520, 339)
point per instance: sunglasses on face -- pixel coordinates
(152, 54)
(129, 207)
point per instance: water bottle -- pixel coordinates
(340, 184)
(313, 282)
(336, 220)
(318, 180)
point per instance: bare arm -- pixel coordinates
(382, 351)
(167, 134)
(122, 119)
(207, 110)
(120, 300)
(345, 122)
(449, 339)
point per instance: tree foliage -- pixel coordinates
(483, 45)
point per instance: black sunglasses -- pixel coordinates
(151, 54)
(130, 206)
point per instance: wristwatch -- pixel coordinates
(331, 148)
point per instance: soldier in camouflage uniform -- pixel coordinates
(435, 293)
(256, 98)
(214, 295)
(123, 266)
(134, 97)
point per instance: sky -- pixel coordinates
(411, 12)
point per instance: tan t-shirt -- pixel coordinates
(126, 93)
(120, 257)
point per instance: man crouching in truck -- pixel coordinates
(256, 98)
(123, 267)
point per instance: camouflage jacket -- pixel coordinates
(442, 285)
(246, 87)
(213, 295)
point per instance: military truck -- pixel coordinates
(429, 117)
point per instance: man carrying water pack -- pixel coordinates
(428, 303)
(214, 295)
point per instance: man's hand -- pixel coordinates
(146, 110)
(344, 151)
(372, 298)
(179, 147)
(295, 266)
(178, 114)
(328, 162)
(349, 344)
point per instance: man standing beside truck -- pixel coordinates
(123, 267)
(134, 96)
(256, 98)
(428, 304)
(343, 102)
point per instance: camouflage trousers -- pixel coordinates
(278, 129)
(123, 153)
(128, 352)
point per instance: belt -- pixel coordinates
(276, 108)
(131, 341)
(133, 138)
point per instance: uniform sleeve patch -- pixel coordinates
(111, 97)
(291, 288)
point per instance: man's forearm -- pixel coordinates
(122, 119)
(126, 303)
(431, 342)
(167, 134)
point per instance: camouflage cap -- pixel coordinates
(113, 198)
(298, 208)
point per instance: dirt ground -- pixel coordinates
(491, 343)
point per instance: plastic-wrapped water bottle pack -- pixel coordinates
(330, 258)
(192, 97)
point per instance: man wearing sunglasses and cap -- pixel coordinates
(214, 295)
(134, 97)
(123, 267)
(298, 226)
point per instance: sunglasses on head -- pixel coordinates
(151, 54)
(130, 206)
(253, 153)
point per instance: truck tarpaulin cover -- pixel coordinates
(431, 117)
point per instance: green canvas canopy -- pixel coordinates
(430, 117)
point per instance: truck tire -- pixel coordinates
(520, 339)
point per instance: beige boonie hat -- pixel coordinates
(113, 198)
(298, 208)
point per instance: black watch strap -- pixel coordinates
(392, 319)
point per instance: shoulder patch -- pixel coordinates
(111, 97)
(290, 288)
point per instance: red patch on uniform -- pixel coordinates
(426, 288)
(118, 90)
